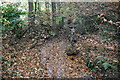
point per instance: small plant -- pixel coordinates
(101, 63)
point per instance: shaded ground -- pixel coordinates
(48, 60)
(59, 64)
(40, 58)
(35, 56)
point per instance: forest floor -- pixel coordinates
(39, 58)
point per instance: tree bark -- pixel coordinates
(53, 11)
(31, 17)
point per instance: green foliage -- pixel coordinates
(3, 58)
(11, 18)
(58, 19)
(100, 64)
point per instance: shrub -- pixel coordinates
(11, 18)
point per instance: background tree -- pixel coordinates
(53, 13)
(31, 17)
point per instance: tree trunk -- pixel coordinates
(53, 15)
(31, 17)
(58, 7)
(47, 10)
(39, 12)
(35, 7)
(39, 7)
(47, 6)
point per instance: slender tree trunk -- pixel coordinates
(53, 11)
(47, 10)
(39, 12)
(54, 26)
(58, 7)
(39, 7)
(31, 13)
(47, 6)
(35, 7)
